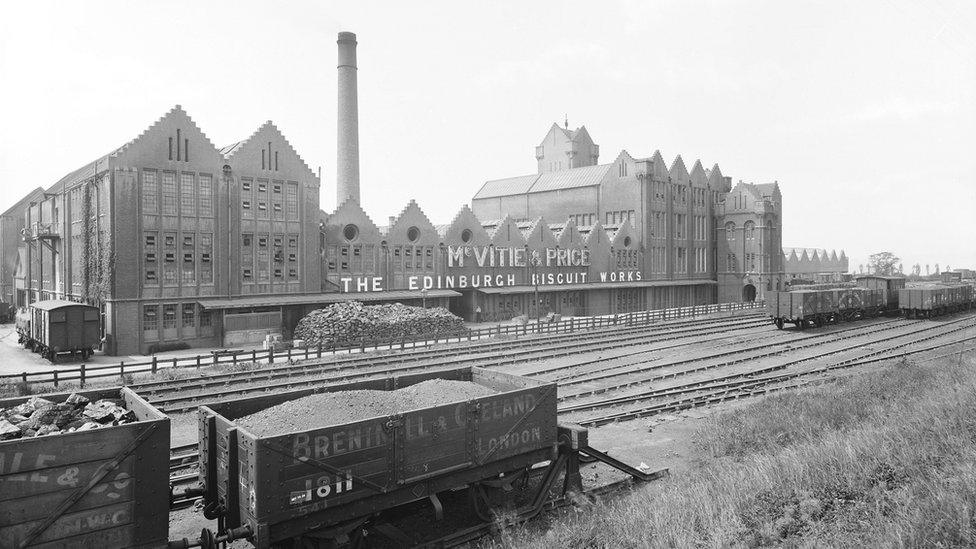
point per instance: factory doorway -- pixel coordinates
(748, 293)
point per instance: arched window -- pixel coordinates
(730, 231)
(750, 230)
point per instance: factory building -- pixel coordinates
(182, 243)
(815, 265)
(175, 239)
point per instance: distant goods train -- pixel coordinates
(55, 327)
(873, 295)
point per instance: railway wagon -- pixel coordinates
(881, 282)
(804, 308)
(54, 327)
(328, 481)
(930, 300)
(105, 488)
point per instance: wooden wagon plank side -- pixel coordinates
(36, 506)
(61, 479)
(73, 524)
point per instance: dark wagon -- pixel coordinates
(805, 308)
(54, 327)
(100, 488)
(327, 481)
(935, 299)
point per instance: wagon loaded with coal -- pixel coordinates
(317, 467)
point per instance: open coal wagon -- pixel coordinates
(87, 469)
(331, 483)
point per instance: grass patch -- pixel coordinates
(883, 459)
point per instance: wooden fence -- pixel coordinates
(84, 372)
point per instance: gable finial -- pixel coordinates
(566, 121)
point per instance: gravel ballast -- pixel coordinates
(331, 409)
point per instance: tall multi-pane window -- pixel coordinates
(189, 315)
(150, 319)
(150, 187)
(291, 201)
(247, 197)
(188, 203)
(206, 196)
(169, 317)
(206, 258)
(169, 193)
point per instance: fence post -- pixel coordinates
(198, 362)
(254, 357)
(174, 363)
(362, 345)
(233, 359)
(318, 350)
(288, 353)
(24, 377)
(270, 356)
(81, 376)
(122, 367)
(215, 359)
(152, 369)
(55, 378)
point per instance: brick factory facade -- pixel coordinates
(180, 242)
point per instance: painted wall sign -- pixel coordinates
(490, 256)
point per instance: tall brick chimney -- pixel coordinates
(347, 161)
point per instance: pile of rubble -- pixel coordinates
(351, 323)
(38, 416)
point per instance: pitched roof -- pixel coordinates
(232, 148)
(31, 197)
(586, 176)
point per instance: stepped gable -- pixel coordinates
(698, 176)
(507, 234)
(350, 212)
(569, 236)
(717, 181)
(678, 172)
(624, 237)
(248, 150)
(659, 167)
(413, 217)
(597, 243)
(465, 220)
(540, 236)
(135, 147)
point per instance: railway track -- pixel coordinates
(756, 382)
(173, 398)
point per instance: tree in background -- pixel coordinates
(883, 263)
(860, 268)
(901, 268)
(917, 269)
(928, 271)
(937, 270)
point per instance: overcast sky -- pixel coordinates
(865, 112)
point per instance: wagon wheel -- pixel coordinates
(818, 322)
(779, 323)
(482, 491)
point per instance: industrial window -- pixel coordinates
(205, 319)
(246, 204)
(292, 272)
(206, 196)
(291, 200)
(150, 320)
(169, 317)
(150, 276)
(278, 240)
(277, 273)
(246, 240)
(246, 185)
(277, 209)
(169, 275)
(357, 251)
(262, 242)
(276, 187)
(292, 257)
(188, 257)
(293, 242)
(205, 257)
(189, 315)
(170, 240)
(188, 241)
(149, 189)
(262, 206)
(188, 203)
(150, 241)
(263, 271)
(150, 257)
(169, 193)
(170, 257)
(247, 274)
(262, 187)
(730, 231)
